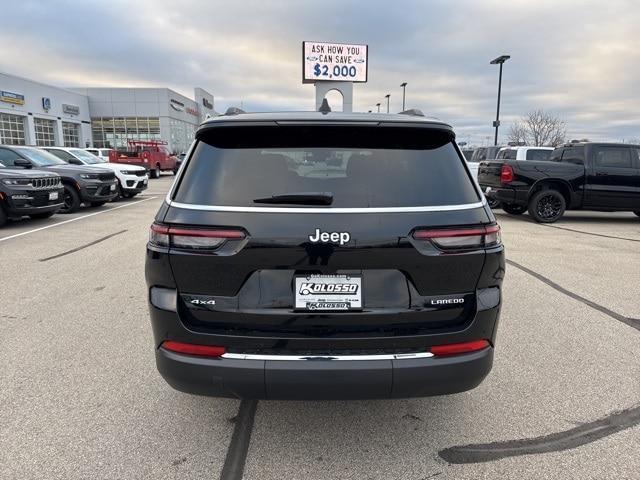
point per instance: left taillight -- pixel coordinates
(461, 238)
(191, 238)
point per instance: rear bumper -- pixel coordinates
(324, 379)
(510, 196)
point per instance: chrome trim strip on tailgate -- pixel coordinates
(390, 356)
(226, 208)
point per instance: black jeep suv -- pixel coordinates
(92, 185)
(28, 192)
(324, 256)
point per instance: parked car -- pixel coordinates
(153, 155)
(524, 153)
(381, 279)
(82, 184)
(34, 193)
(468, 153)
(131, 179)
(586, 176)
(481, 154)
(102, 153)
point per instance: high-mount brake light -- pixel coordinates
(459, 348)
(210, 351)
(191, 238)
(474, 237)
(506, 174)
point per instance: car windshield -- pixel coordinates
(86, 157)
(40, 157)
(357, 168)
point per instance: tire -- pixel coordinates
(155, 173)
(97, 204)
(41, 216)
(128, 195)
(514, 209)
(547, 206)
(71, 200)
(493, 203)
(3, 217)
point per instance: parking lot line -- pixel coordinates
(632, 322)
(74, 219)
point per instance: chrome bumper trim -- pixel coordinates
(390, 356)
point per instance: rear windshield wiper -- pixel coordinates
(303, 198)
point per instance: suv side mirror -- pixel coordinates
(75, 161)
(22, 162)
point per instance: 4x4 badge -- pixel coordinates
(333, 237)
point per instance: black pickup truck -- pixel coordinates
(586, 176)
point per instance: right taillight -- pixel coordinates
(461, 238)
(191, 238)
(506, 174)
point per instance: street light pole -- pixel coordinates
(498, 61)
(387, 97)
(378, 105)
(404, 88)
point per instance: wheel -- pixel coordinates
(97, 204)
(40, 216)
(493, 203)
(514, 209)
(155, 173)
(547, 206)
(3, 216)
(128, 195)
(71, 200)
(175, 171)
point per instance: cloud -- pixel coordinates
(578, 59)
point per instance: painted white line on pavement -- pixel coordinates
(74, 219)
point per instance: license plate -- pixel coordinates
(53, 196)
(328, 292)
(113, 187)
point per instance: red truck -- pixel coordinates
(150, 154)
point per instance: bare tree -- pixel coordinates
(539, 128)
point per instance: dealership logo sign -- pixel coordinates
(10, 97)
(70, 109)
(46, 103)
(207, 104)
(176, 105)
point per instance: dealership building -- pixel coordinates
(32, 113)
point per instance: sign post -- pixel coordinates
(334, 66)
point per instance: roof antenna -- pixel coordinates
(324, 108)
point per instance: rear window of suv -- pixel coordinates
(359, 166)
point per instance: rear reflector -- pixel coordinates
(191, 238)
(210, 351)
(458, 348)
(475, 237)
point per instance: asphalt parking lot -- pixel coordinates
(81, 397)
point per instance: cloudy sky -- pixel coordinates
(579, 59)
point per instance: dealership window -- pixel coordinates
(70, 134)
(108, 132)
(12, 129)
(182, 134)
(45, 132)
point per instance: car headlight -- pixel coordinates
(89, 176)
(17, 181)
(128, 172)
